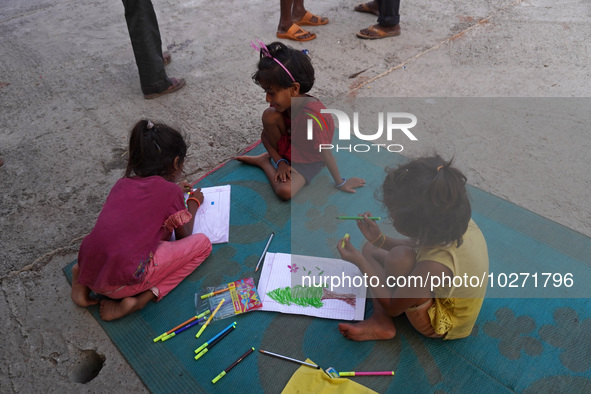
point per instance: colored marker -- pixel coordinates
(214, 338)
(225, 371)
(214, 293)
(290, 359)
(180, 325)
(386, 373)
(210, 318)
(193, 323)
(358, 217)
(347, 236)
(264, 251)
(212, 344)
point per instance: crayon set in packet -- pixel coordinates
(241, 296)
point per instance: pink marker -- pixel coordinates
(386, 373)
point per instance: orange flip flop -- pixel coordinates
(377, 33)
(295, 33)
(307, 20)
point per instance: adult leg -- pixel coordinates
(298, 14)
(287, 29)
(147, 46)
(399, 261)
(388, 21)
(370, 7)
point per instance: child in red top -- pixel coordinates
(285, 73)
(127, 256)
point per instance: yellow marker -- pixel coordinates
(168, 336)
(347, 236)
(204, 296)
(210, 318)
(197, 357)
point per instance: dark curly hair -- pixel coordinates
(427, 201)
(152, 150)
(298, 64)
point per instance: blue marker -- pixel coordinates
(214, 338)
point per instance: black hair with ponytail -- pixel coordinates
(153, 148)
(427, 200)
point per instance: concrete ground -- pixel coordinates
(69, 93)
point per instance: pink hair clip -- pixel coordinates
(262, 48)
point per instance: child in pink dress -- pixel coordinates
(127, 256)
(285, 74)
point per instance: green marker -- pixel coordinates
(358, 217)
(225, 371)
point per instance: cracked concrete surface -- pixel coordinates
(69, 93)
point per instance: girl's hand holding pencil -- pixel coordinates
(369, 228)
(198, 195)
(185, 186)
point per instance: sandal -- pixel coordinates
(364, 7)
(166, 58)
(307, 20)
(295, 33)
(377, 33)
(177, 84)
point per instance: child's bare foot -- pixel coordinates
(112, 309)
(374, 328)
(259, 160)
(80, 293)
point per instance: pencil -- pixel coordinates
(290, 359)
(225, 371)
(358, 217)
(210, 318)
(264, 251)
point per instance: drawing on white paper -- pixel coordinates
(301, 285)
(213, 216)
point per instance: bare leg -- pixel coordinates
(399, 261)
(298, 11)
(284, 190)
(286, 19)
(378, 326)
(80, 293)
(112, 309)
